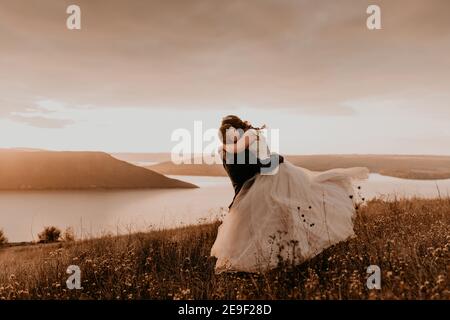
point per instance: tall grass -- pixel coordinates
(408, 239)
(3, 239)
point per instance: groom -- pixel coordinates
(240, 172)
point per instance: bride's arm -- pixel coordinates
(243, 143)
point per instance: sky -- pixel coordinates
(139, 70)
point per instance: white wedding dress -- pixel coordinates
(290, 216)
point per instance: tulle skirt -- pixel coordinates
(287, 217)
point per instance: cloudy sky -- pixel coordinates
(140, 69)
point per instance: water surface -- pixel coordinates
(91, 213)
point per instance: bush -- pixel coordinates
(50, 234)
(3, 239)
(69, 234)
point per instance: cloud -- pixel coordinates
(43, 113)
(42, 122)
(305, 56)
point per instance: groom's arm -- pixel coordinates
(274, 158)
(243, 143)
(270, 165)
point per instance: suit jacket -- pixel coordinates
(243, 166)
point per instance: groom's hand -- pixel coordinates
(271, 166)
(274, 158)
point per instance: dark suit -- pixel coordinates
(243, 166)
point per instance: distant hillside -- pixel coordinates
(42, 170)
(142, 157)
(401, 166)
(169, 168)
(20, 149)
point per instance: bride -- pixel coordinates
(288, 216)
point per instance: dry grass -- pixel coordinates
(408, 239)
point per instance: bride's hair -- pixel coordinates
(223, 132)
(235, 122)
(238, 123)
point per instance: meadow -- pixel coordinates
(408, 239)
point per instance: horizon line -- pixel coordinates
(28, 149)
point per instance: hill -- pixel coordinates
(168, 167)
(400, 166)
(142, 157)
(44, 170)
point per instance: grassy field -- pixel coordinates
(408, 239)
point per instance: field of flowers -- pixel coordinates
(408, 239)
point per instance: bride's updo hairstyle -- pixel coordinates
(223, 133)
(230, 124)
(235, 122)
